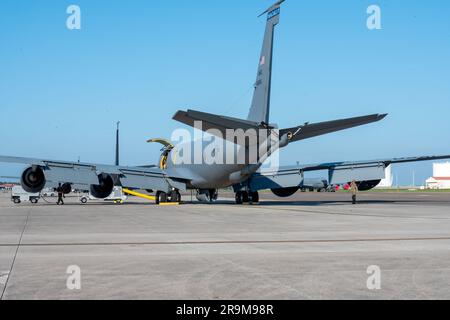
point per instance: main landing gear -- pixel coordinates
(247, 197)
(172, 197)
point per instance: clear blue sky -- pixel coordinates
(139, 62)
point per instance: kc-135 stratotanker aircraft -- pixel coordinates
(246, 178)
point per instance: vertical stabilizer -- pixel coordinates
(260, 108)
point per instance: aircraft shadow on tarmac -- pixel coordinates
(274, 203)
(269, 203)
(230, 203)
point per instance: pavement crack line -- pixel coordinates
(15, 254)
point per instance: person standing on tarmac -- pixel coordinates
(354, 190)
(60, 195)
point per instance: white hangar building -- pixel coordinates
(441, 176)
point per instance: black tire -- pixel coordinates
(16, 200)
(162, 198)
(245, 197)
(254, 197)
(83, 200)
(175, 197)
(34, 200)
(238, 197)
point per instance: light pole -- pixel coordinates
(117, 144)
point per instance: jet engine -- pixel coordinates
(104, 188)
(367, 185)
(66, 188)
(210, 195)
(33, 180)
(285, 192)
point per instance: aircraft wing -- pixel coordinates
(338, 172)
(86, 174)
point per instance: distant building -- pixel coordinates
(441, 176)
(387, 182)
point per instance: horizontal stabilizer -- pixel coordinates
(307, 130)
(211, 121)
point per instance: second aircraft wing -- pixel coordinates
(86, 174)
(338, 172)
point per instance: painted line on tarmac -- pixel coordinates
(348, 214)
(160, 243)
(15, 255)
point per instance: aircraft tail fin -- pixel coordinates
(260, 108)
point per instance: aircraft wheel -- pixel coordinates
(254, 197)
(161, 197)
(34, 201)
(245, 197)
(175, 197)
(83, 200)
(238, 197)
(16, 200)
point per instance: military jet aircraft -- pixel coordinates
(246, 177)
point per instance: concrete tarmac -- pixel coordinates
(311, 246)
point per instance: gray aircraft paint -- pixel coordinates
(260, 108)
(240, 176)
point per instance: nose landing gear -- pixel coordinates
(172, 197)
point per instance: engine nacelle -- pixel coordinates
(104, 188)
(66, 188)
(285, 192)
(207, 195)
(367, 185)
(33, 180)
